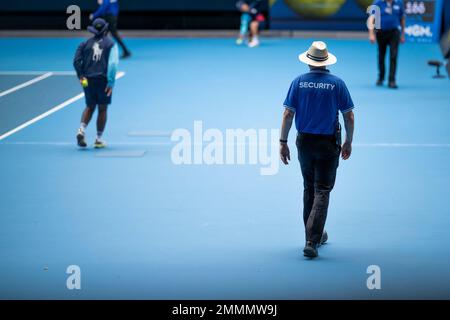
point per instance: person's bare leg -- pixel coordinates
(86, 116)
(254, 30)
(101, 124)
(85, 119)
(254, 27)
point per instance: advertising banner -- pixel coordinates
(423, 20)
(319, 14)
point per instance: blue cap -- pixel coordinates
(98, 27)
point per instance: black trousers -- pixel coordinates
(112, 21)
(391, 39)
(319, 160)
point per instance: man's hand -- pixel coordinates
(346, 150)
(288, 116)
(82, 79)
(349, 122)
(371, 26)
(108, 91)
(285, 153)
(91, 16)
(403, 24)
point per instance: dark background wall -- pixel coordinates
(185, 14)
(126, 5)
(135, 14)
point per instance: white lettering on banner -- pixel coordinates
(317, 85)
(416, 30)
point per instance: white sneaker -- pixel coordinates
(254, 43)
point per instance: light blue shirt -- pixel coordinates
(113, 62)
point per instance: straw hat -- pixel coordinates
(317, 55)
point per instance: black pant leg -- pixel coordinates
(325, 168)
(393, 53)
(382, 45)
(112, 21)
(307, 167)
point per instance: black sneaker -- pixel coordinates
(310, 250)
(393, 85)
(324, 238)
(99, 144)
(81, 140)
(379, 83)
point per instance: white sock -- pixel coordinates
(99, 135)
(83, 127)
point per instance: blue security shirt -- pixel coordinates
(316, 97)
(107, 8)
(391, 13)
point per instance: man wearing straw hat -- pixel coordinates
(315, 99)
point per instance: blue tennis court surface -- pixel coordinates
(141, 227)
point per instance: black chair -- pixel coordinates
(437, 64)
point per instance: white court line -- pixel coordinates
(121, 154)
(143, 143)
(119, 75)
(403, 145)
(150, 134)
(42, 116)
(26, 84)
(36, 73)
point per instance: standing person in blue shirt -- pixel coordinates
(109, 11)
(392, 32)
(315, 99)
(95, 62)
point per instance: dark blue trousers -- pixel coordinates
(319, 160)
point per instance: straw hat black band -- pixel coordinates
(316, 58)
(318, 55)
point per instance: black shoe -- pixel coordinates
(392, 85)
(310, 250)
(324, 238)
(379, 83)
(80, 140)
(125, 55)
